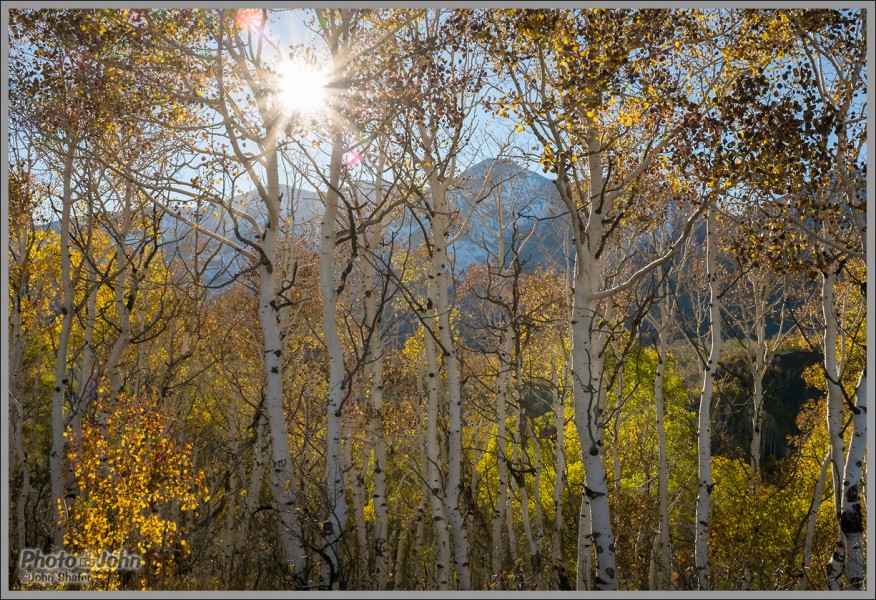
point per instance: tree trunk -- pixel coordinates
(440, 271)
(56, 457)
(500, 550)
(757, 416)
(356, 482)
(810, 527)
(586, 385)
(17, 343)
(557, 546)
(756, 425)
(433, 472)
(617, 473)
(377, 427)
(337, 504)
(16, 417)
(282, 477)
(123, 308)
(835, 402)
(520, 461)
(84, 384)
(704, 432)
(587, 372)
(851, 516)
(664, 544)
(24, 491)
(585, 545)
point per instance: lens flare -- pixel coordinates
(352, 159)
(248, 18)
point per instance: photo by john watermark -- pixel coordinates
(62, 567)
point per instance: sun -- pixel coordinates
(302, 87)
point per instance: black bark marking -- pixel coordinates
(593, 494)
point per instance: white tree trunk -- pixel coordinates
(419, 536)
(356, 482)
(586, 383)
(440, 268)
(557, 556)
(835, 402)
(56, 456)
(585, 545)
(423, 463)
(510, 531)
(17, 343)
(500, 550)
(664, 545)
(851, 515)
(282, 477)
(337, 503)
(377, 427)
(433, 471)
(758, 373)
(123, 312)
(757, 419)
(24, 492)
(810, 527)
(587, 372)
(704, 433)
(84, 384)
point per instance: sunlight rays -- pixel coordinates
(301, 87)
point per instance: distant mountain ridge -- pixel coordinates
(499, 194)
